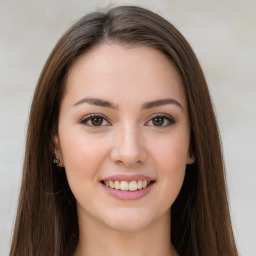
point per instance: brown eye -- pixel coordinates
(97, 121)
(161, 121)
(158, 121)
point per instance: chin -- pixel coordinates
(128, 226)
(129, 220)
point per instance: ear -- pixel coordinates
(191, 158)
(57, 150)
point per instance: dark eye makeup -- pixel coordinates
(160, 121)
(98, 120)
(95, 120)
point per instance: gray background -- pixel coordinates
(223, 35)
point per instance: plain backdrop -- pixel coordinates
(223, 35)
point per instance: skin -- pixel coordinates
(127, 141)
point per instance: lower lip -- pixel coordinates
(128, 195)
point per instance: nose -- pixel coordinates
(128, 147)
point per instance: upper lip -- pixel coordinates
(132, 177)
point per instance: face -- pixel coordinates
(124, 136)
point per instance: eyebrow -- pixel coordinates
(146, 105)
(161, 102)
(97, 102)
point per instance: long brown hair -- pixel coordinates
(46, 222)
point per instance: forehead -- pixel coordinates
(122, 72)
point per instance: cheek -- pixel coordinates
(83, 159)
(172, 162)
(83, 156)
(171, 158)
(172, 151)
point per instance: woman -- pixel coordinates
(123, 152)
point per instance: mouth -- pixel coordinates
(124, 185)
(128, 187)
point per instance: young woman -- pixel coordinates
(123, 153)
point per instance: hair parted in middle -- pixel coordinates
(46, 222)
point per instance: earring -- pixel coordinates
(56, 160)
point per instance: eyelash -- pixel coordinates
(169, 119)
(90, 117)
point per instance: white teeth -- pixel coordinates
(139, 184)
(144, 183)
(111, 184)
(133, 185)
(117, 185)
(125, 185)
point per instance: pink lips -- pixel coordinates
(125, 194)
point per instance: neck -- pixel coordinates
(97, 239)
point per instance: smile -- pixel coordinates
(127, 185)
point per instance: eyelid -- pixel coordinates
(170, 119)
(86, 118)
